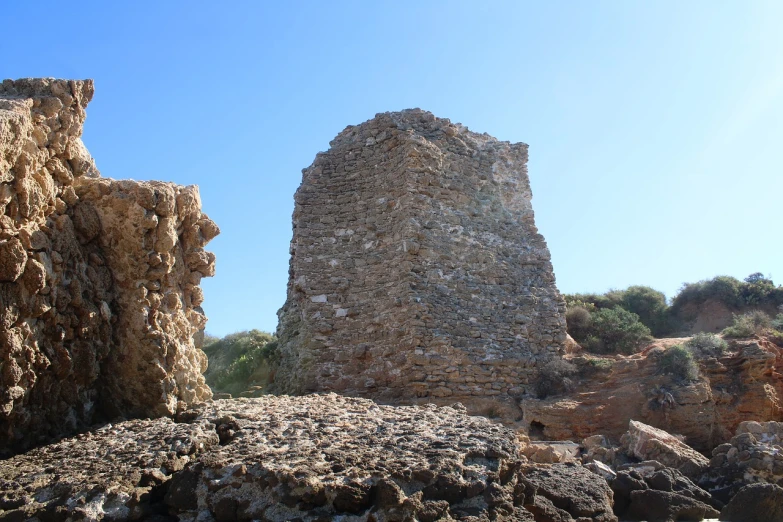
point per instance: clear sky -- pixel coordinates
(655, 128)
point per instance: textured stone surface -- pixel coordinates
(295, 458)
(575, 492)
(647, 443)
(646, 493)
(754, 454)
(98, 278)
(664, 506)
(744, 384)
(755, 503)
(417, 272)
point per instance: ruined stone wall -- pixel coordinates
(98, 278)
(417, 272)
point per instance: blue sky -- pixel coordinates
(655, 128)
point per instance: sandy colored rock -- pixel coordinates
(744, 384)
(13, 258)
(417, 272)
(647, 443)
(96, 320)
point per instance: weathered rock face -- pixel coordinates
(744, 384)
(755, 503)
(308, 458)
(417, 272)
(98, 278)
(753, 455)
(647, 443)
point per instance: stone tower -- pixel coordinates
(417, 272)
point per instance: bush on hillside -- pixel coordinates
(245, 358)
(755, 290)
(777, 322)
(610, 299)
(555, 378)
(725, 289)
(707, 344)
(578, 320)
(649, 304)
(678, 362)
(748, 324)
(614, 330)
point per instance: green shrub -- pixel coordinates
(725, 289)
(593, 343)
(755, 290)
(678, 362)
(777, 322)
(590, 367)
(649, 304)
(239, 360)
(555, 378)
(600, 364)
(707, 344)
(608, 300)
(616, 330)
(748, 324)
(578, 320)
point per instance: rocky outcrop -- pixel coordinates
(566, 492)
(99, 297)
(650, 491)
(753, 455)
(755, 503)
(311, 458)
(647, 443)
(744, 384)
(417, 272)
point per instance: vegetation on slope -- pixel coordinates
(240, 360)
(621, 321)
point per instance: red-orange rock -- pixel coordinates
(744, 384)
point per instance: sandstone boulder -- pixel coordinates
(647, 443)
(566, 492)
(755, 503)
(664, 506)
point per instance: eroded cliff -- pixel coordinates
(99, 297)
(745, 383)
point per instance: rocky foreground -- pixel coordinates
(298, 458)
(328, 457)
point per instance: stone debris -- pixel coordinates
(567, 492)
(417, 273)
(313, 458)
(647, 443)
(654, 492)
(99, 296)
(551, 452)
(754, 455)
